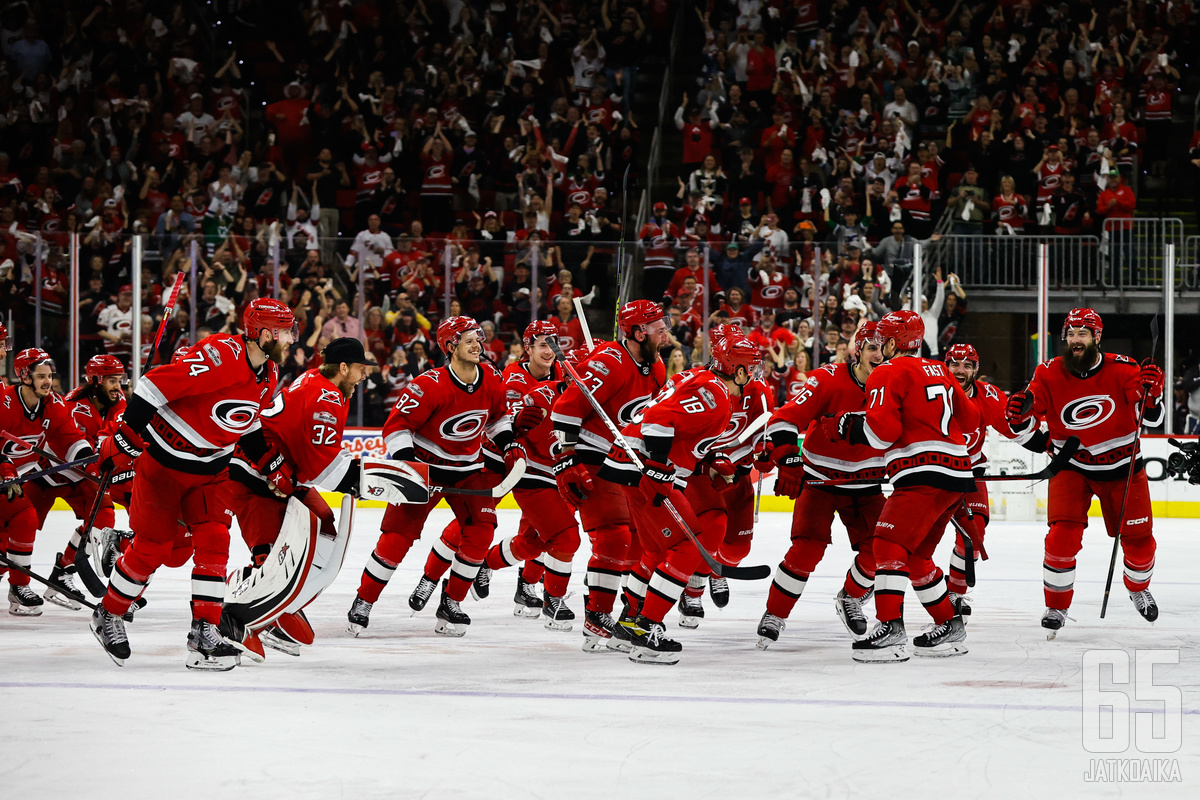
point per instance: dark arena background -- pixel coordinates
(796, 168)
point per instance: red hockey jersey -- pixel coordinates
(990, 402)
(756, 395)
(47, 426)
(681, 424)
(917, 412)
(1101, 408)
(305, 423)
(442, 420)
(659, 242)
(192, 412)
(91, 422)
(621, 386)
(832, 389)
(522, 389)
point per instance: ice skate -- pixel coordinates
(208, 650)
(276, 639)
(691, 611)
(24, 602)
(452, 621)
(64, 576)
(622, 638)
(109, 548)
(359, 616)
(526, 602)
(942, 641)
(481, 587)
(1053, 620)
(558, 616)
(109, 630)
(769, 628)
(420, 595)
(849, 611)
(597, 631)
(650, 644)
(718, 590)
(961, 605)
(884, 645)
(1143, 601)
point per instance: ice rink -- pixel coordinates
(515, 710)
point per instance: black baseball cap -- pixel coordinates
(346, 350)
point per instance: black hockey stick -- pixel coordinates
(968, 550)
(1133, 458)
(83, 564)
(46, 454)
(756, 573)
(33, 476)
(55, 585)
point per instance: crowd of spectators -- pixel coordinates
(471, 157)
(822, 141)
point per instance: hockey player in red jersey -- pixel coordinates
(917, 413)
(722, 493)
(832, 389)
(33, 413)
(440, 419)
(549, 532)
(1095, 396)
(96, 408)
(622, 377)
(963, 362)
(305, 424)
(674, 436)
(191, 414)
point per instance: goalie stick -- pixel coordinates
(756, 573)
(1057, 463)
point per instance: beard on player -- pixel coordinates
(1080, 357)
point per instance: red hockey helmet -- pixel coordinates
(1084, 318)
(451, 331)
(28, 360)
(962, 352)
(638, 312)
(719, 333)
(906, 327)
(864, 334)
(732, 352)
(538, 328)
(103, 366)
(266, 314)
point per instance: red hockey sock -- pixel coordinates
(441, 556)
(1139, 562)
(785, 590)
(891, 579)
(860, 578)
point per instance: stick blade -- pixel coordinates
(511, 479)
(1064, 455)
(755, 573)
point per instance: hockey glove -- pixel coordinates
(527, 418)
(722, 472)
(1152, 381)
(123, 442)
(9, 473)
(789, 482)
(513, 453)
(278, 473)
(846, 427)
(773, 455)
(1019, 408)
(574, 482)
(657, 481)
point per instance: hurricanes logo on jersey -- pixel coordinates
(1087, 412)
(463, 427)
(235, 416)
(631, 412)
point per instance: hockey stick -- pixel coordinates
(55, 585)
(620, 249)
(83, 564)
(1133, 458)
(33, 476)
(720, 570)
(753, 428)
(46, 454)
(583, 323)
(504, 487)
(968, 550)
(168, 313)
(758, 489)
(1056, 465)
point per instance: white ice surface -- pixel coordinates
(515, 710)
